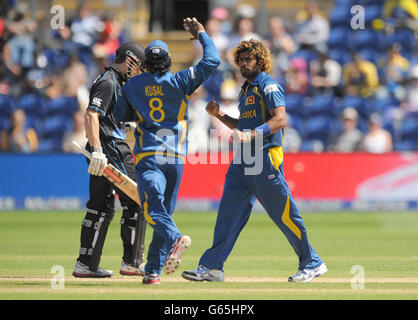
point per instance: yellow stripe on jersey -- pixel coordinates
(276, 157)
(288, 222)
(140, 119)
(140, 156)
(263, 110)
(141, 133)
(262, 104)
(182, 123)
(146, 213)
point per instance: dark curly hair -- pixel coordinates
(158, 68)
(256, 49)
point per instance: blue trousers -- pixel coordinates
(239, 195)
(158, 185)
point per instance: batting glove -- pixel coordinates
(98, 163)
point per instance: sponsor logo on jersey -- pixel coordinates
(271, 88)
(248, 114)
(97, 102)
(250, 100)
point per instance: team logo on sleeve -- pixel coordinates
(250, 100)
(97, 102)
(271, 88)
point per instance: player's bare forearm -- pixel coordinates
(230, 122)
(92, 128)
(277, 121)
(213, 109)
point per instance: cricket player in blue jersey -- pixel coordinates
(158, 101)
(262, 119)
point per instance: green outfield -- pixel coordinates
(382, 245)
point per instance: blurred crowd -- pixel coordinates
(347, 89)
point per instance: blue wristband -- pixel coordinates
(264, 130)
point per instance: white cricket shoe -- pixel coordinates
(83, 271)
(130, 270)
(307, 275)
(176, 252)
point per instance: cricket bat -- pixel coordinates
(120, 180)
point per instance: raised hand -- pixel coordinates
(212, 108)
(193, 26)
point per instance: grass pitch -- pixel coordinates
(379, 248)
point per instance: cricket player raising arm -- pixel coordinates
(158, 100)
(262, 110)
(106, 142)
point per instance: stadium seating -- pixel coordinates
(367, 39)
(372, 12)
(409, 129)
(406, 38)
(357, 102)
(316, 146)
(295, 122)
(55, 59)
(50, 145)
(33, 104)
(407, 145)
(340, 17)
(295, 105)
(342, 56)
(317, 128)
(339, 38)
(6, 106)
(382, 104)
(322, 105)
(55, 126)
(64, 106)
(371, 55)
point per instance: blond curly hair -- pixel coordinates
(256, 49)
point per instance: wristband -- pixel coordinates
(264, 130)
(97, 149)
(248, 135)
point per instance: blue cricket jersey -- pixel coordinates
(256, 99)
(159, 105)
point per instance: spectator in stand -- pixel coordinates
(213, 29)
(377, 140)
(229, 105)
(396, 72)
(360, 77)
(10, 74)
(297, 78)
(292, 140)
(74, 80)
(56, 87)
(199, 122)
(411, 102)
(312, 34)
(222, 14)
(86, 29)
(325, 75)
(244, 31)
(85, 32)
(401, 9)
(280, 43)
(349, 140)
(60, 41)
(19, 138)
(78, 133)
(108, 39)
(22, 43)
